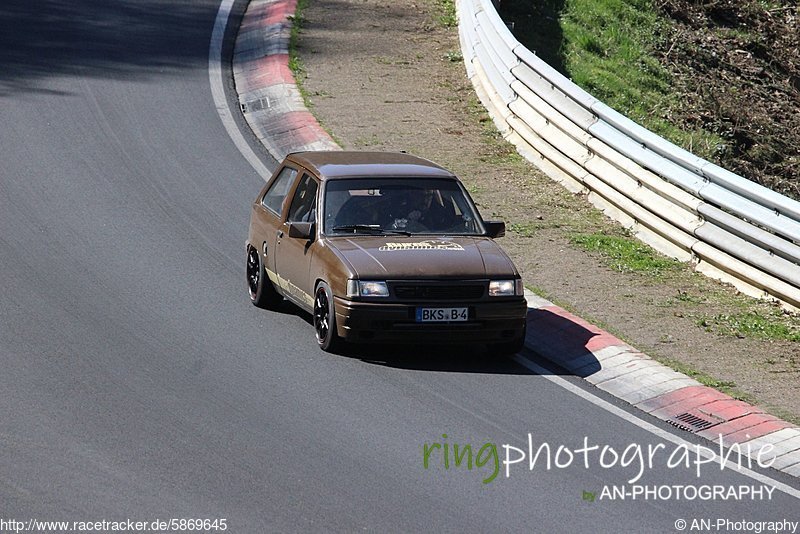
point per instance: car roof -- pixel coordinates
(336, 164)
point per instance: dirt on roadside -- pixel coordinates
(387, 75)
(736, 65)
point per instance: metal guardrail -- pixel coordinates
(684, 206)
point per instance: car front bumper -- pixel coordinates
(489, 322)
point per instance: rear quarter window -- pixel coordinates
(276, 194)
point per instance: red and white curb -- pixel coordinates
(273, 107)
(628, 374)
(268, 96)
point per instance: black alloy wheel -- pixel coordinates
(262, 292)
(325, 318)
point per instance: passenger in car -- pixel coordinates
(426, 207)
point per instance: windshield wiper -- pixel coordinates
(371, 228)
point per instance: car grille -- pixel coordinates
(438, 291)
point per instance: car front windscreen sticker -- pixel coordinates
(423, 245)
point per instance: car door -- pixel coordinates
(294, 254)
(268, 217)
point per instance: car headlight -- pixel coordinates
(367, 288)
(505, 288)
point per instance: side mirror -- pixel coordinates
(495, 228)
(301, 230)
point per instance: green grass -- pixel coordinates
(606, 43)
(769, 324)
(605, 46)
(523, 229)
(447, 13)
(295, 63)
(454, 56)
(624, 254)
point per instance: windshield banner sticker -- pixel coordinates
(423, 245)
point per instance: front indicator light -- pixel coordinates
(352, 288)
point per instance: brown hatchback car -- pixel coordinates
(382, 247)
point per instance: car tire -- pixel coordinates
(325, 319)
(510, 347)
(262, 292)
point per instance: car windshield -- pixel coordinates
(379, 206)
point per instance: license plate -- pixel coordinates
(441, 315)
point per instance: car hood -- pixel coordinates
(392, 257)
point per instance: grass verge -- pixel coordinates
(447, 13)
(625, 254)
(607, 48)
(771, 324)
(295, 63)
(609, 52)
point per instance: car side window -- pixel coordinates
(273, 198)
(304, 202)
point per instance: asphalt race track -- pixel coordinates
(138, 382)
